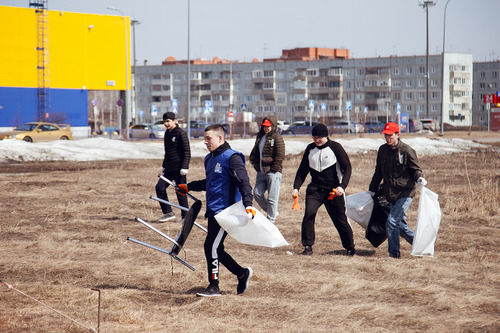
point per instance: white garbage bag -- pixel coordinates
(257, 231)
(428, 220)
(359, 208)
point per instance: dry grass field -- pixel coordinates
(65, 224)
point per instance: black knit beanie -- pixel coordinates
(320, 130)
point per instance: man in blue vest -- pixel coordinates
(226, 183)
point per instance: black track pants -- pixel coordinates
(161, 192)
(215, 253)
(315, 197)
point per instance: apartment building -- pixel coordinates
(486, 82)
(375, 88)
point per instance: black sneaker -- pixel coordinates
(351, 252)
(243, 281)
(308, 250)
(395, 256)
(211, 291)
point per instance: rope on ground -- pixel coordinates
(48, 307)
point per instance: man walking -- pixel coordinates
(175, 165)
(330, 170)
(397, 166)
(267, 159)
(226, 183)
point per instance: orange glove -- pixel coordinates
(182, 189)
(295, 205)
(250, 212)
(333, 194)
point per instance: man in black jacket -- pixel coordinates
(175, 165)
(397, 166)
(267, 158)
(330, 170)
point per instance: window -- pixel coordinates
(281, 99)
(408, 83)
(421, 70)
(268, 85)
(421, 96)
(268, 73)
(482, 74)
(156, 87)
(409, 96)
(434, 95)
(396, 84)
(257, 74)
(494, 74)
(396, 96)
(434, 83)
(409, 70)
(421, 82)
(156, 77)
(408, 108)
(395, 71)
(312, 72)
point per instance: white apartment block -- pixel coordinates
(375, 88)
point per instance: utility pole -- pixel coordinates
(426, 5)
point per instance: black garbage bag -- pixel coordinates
(376, 233)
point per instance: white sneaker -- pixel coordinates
(167, 217)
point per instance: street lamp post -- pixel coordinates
(426, 5)
(127, 71)
(442, 72)
(134, 90)
(188, 115)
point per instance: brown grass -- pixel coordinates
(64, 229)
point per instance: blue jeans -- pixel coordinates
(396, 225)
(269, 182)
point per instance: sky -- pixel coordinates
(243, 30)
(101, 149)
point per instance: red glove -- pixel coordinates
(182, 189)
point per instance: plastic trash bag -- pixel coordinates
(428, 220)
(257, 231)
(376, 233)
(359, 208)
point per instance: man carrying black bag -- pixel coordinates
(397, 166)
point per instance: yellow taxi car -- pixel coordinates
(39, 132)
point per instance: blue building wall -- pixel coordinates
(20, 105)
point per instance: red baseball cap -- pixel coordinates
(391, 128)
(266, 123)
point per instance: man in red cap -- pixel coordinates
(397, 166)
(267, 159)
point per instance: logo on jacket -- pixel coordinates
(173, 139)
(218, 169)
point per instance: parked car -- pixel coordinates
(147, 131)
(415, 126)
(344, 126)
(243, 129)
(430, 124)
(198, 128)
(39, 132)
(301, 127)
(374, 126)
(283, 127)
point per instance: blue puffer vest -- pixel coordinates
(220, 194)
